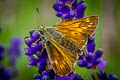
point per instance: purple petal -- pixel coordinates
(75, 77)
(89, 65)
(90, 57)
(31, 33)
(66, 15)
(65, 10)
(59, 14)
(31, 58)
(81, 57)
(61, 78)
(102, 65)
(58, 7)
(82, 1)
(112, 77)
(37, 77)
(74, 5)
(1, 52)
(98, 53)
(35, 36)
(33, 62)
(28, 41)
(1, 56)
(29, 51)
(61, 1)
(44, 73)
(41, 63)
(91, 47)
(80, 10)
(82, 63)
(91, 39)
(38, 46)
(1, 48)
(0, 29)
(97, 61)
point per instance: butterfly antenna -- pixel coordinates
(40, 17)
(38, 10)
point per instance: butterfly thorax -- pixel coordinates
(44, 34)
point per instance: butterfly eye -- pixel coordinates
(41, 32)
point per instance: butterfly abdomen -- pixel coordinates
(63, 41)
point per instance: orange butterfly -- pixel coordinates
(65, 41)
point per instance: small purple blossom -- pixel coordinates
(1, 52)
(104, 76)
(102, 65)
(5, 74)
(71, 77)
(39, 62)
(69, 8)
(45, 75)
(14, 50)
(34, 49)
(0, 29)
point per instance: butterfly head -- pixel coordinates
(41, 30)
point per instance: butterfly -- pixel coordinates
(65, 41)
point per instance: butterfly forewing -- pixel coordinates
(78, 30)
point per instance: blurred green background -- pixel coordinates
(18, 17)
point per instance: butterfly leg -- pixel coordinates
(85, 51)
(41, 51)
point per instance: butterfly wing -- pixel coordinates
(61, 60)
(78, 30)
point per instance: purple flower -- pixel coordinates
(14, 50)
(39, 62)
(92, 59)
(69, 8)
(71, 77)
(0, 29)
(35, 48)
(5, 74)
(1, 52)
(104, 76)
(91, 45)
(102, 65)
(45, 76)
(62, 78)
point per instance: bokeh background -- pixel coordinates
(18, 17)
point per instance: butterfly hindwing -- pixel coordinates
(61, 61)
